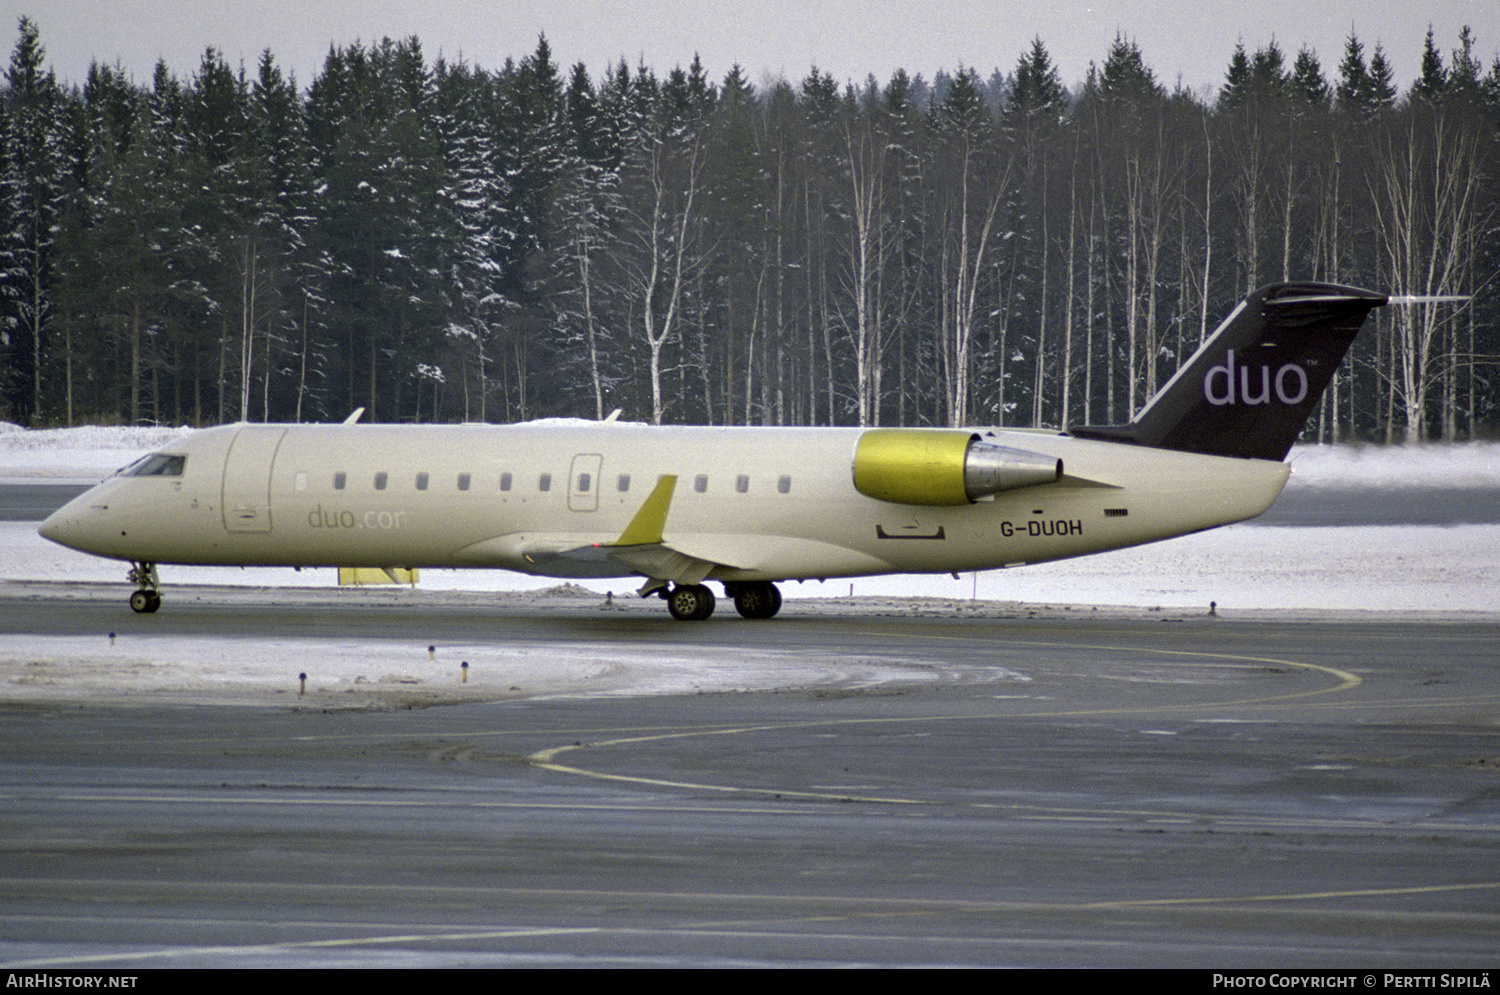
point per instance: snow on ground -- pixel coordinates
(1243, 567)
(362, 674)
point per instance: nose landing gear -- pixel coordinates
(148, 598)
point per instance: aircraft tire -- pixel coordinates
(690, 602)
(145, 602)
(760, 599)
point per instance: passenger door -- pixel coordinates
(247, 478)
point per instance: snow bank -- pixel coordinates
(57, 455)
(1474, 464)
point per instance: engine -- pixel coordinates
(943, 467)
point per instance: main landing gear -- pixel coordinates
(148, 598)
(695, 602)
(690, 602)
(755, 599)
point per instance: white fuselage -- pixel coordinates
(748, 503)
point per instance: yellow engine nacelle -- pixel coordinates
(943, 466)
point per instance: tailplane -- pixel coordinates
(1251, 387)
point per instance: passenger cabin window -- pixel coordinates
(156, 465)
(623, 484)
(585, 481)
(339, 480)
(784, 484)
(742, 483)
(463, 481)
(421, 481)
(380, 479)
(545, 483)
(505, 481)
(700, 483)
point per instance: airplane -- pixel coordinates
(743, 507)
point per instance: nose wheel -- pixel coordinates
(145, 602)
(148, 598)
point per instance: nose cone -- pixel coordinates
(57, 527)
(79, 524)
(52, 528)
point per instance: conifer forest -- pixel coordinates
(437, 241)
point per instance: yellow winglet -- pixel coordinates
(645, 528)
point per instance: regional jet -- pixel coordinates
(745, 508)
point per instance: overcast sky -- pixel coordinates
(1186, 40)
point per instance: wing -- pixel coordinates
(643, 548)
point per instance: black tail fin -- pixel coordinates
(1251, 387)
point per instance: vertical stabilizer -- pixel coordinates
(1252, 386)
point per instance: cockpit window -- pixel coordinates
(156, 465)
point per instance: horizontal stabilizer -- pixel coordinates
(1427, 298)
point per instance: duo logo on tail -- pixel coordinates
(1252, 386)
(1219, 384)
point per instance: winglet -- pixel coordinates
(646, 527)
